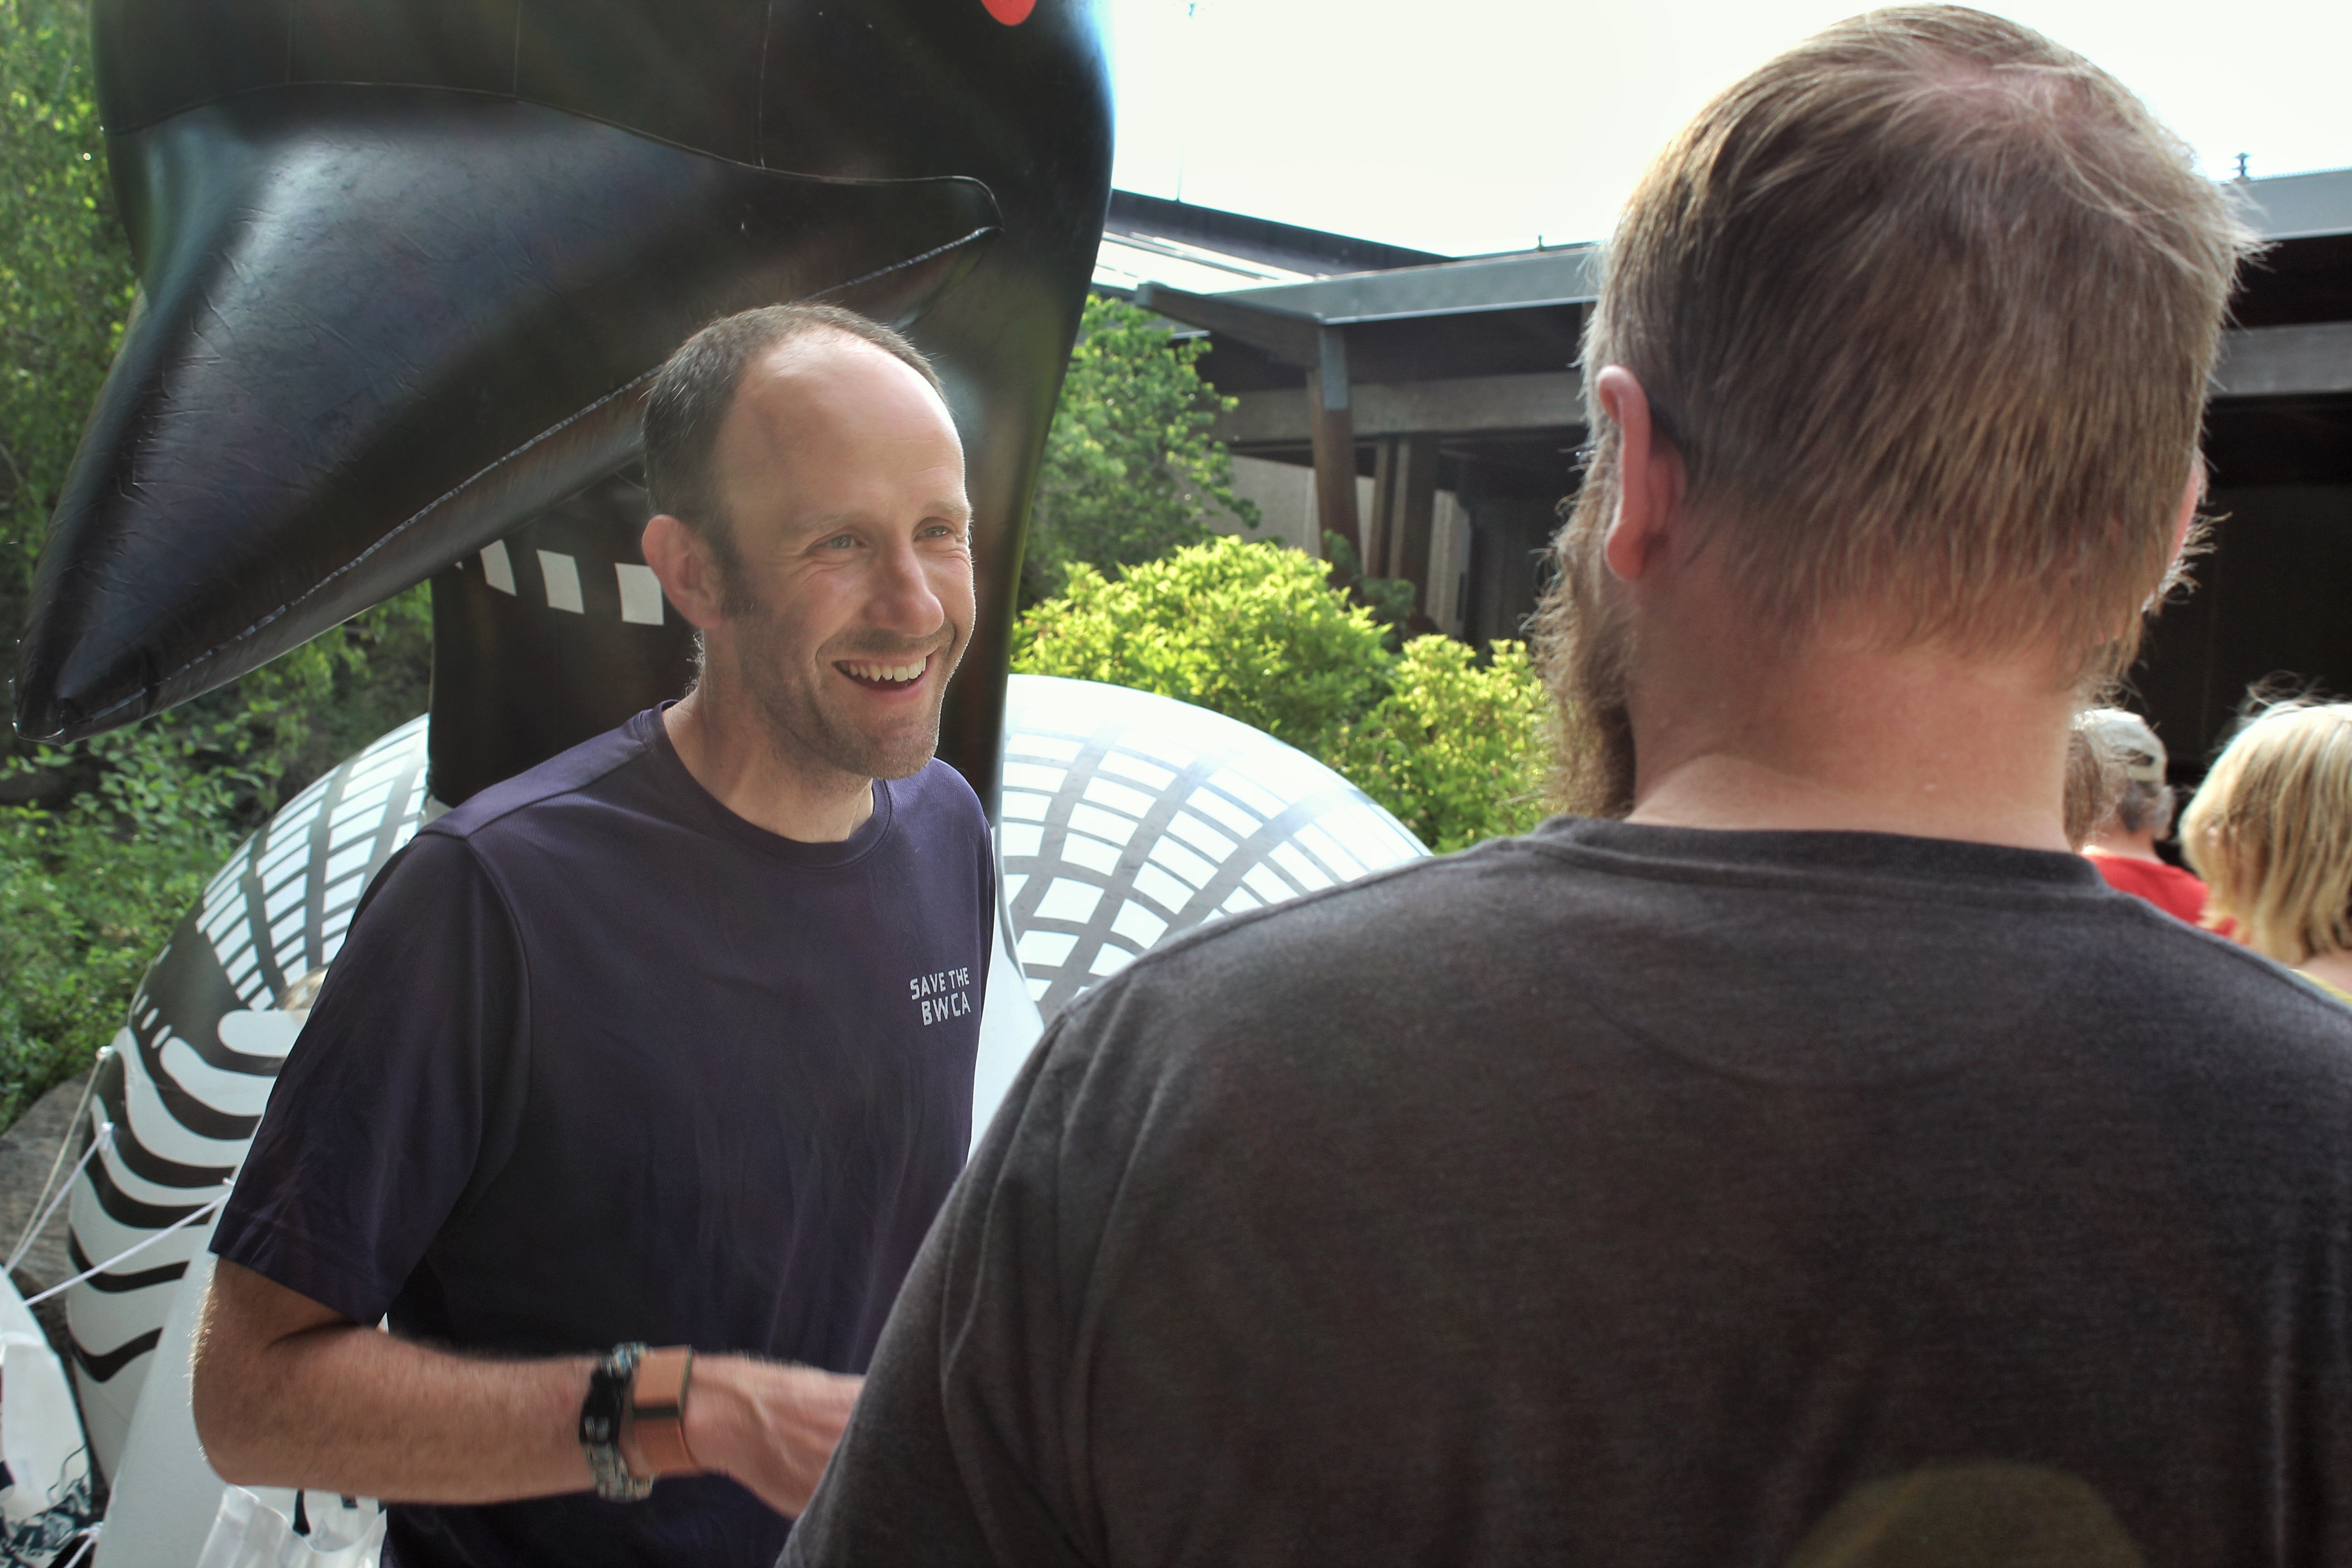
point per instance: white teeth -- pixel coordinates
(898, 672)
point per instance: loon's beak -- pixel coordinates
(379, 328)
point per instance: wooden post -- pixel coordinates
(1414, 515)
(1380, 529)
(1333, 423)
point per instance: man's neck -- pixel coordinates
(730, 750)
(2123, 846)
(1850, 738)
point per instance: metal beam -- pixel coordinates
(2256, 361)
(2284, 361)
(1292, 337)
(1470, 404)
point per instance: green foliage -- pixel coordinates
(1251, 630)
(87, 896)
(65, 271)
(1130, 469)
(1390, 599)
(1456, 750)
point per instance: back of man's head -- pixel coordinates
(1927, 305)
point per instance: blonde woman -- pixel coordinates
(2271, 832)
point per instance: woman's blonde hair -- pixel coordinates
(2271, 831)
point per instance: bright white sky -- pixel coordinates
(1464, 126)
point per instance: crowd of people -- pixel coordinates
(1796, 1155)
(2268, 834)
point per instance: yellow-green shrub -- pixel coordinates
(1256, 631)
(1251, 630)
(1456, 750)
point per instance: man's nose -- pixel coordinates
(905, 599)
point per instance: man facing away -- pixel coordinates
(1816, 1165)
(625, 1050)
(2123, 845)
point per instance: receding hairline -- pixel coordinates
(790, 359)
(815, 340)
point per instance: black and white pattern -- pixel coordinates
(609, 590)
(1128, 818)
(185, 1083)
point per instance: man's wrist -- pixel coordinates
(715, 1416)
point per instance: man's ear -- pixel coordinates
(2190, 499)
(682, 561)
(1649, 478)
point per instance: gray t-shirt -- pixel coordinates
(1628, 1195)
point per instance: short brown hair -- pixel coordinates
(2271, 831)
(690, 396)
(1927, 305)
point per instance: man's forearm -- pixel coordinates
(289, 1392)
(351, 1409)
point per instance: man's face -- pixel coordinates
(842, 481)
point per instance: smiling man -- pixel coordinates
(668, 1042)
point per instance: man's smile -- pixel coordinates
(896, 674)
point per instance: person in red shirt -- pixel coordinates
(2122, 846)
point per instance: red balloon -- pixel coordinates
(1012, 13)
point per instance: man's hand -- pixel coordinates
(769, 1427)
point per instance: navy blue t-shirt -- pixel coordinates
(602, 1061)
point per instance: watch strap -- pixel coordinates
(601, 1414)
(658, 1410)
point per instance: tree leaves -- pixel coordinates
(1131, 471)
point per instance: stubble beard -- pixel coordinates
(1584, 645)
(804, 735)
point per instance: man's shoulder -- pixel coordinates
(572, 776)
(1419, 927)
(1568, 933)
(938, 788)
(937, 799)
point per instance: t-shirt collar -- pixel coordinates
(649, 730)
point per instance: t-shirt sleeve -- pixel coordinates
(953, 1454)
(396, 1092)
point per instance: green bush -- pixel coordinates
(90, 893)
(1251, 630)
(1457, 750)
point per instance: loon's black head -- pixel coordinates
(405, 265)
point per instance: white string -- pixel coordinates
(33, 1227)
(105, 1138)
(133, 1250)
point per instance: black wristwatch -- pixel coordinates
(601, 1416)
